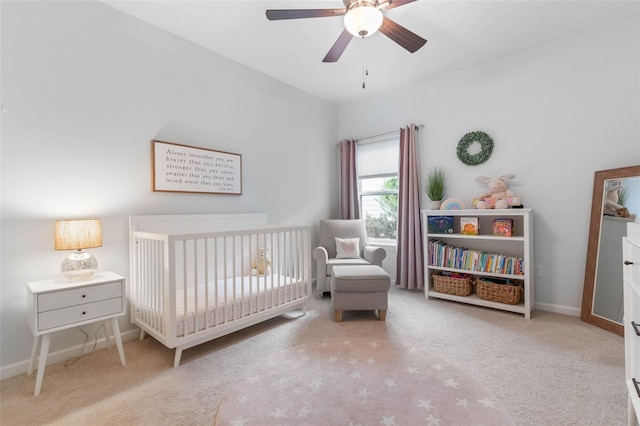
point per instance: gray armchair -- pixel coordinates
(325, 253)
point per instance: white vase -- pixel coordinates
(435, 205)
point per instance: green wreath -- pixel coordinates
(486, 148)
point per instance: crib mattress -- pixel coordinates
(230, 299)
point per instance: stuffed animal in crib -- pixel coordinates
(262, 264)
(499, 195)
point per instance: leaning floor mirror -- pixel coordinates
(616, 201)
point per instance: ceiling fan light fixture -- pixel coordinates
(363, 21)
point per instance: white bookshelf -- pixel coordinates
(520, 244)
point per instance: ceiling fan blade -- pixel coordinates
(338, 47)
(276, 15)
(405, 38)
(390, 4)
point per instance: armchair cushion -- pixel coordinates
(344, 262)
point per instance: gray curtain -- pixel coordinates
(349, 204)
(409, 267)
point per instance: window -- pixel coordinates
(379, 205)
(378, 187)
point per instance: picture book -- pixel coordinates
(440, 224)
(503, 226)
(469, 226)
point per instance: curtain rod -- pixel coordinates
(360, 140)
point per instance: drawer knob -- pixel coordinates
(628, 262)
(84, 312)
(84, 295)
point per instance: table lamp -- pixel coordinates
(77, 235)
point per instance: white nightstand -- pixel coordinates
(54, 305)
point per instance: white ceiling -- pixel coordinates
(459, 33)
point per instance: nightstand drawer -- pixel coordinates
(79, 313)
(78, 296)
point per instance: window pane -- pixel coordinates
(372, 185)
(381, 214)
(376, 184)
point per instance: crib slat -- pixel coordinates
(206, 284)
(185, 294)
(224, 269)
(196, 306)
(215, 282)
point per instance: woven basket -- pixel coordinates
(501, 293)
(452, 285)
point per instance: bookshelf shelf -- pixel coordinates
(477, 273)
(519, 247)
(478, 237)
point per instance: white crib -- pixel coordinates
(191, 278)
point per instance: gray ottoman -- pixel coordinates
(359, 288)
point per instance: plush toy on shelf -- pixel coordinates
(262, 264)
(499, 195)
(612, 206)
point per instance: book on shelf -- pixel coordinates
(503, 226)
(440, 224)
(469, 225)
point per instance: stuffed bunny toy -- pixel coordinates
(499, 194)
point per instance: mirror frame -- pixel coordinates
(591, 269)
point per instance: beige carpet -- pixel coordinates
(550, 370)
(353, 381)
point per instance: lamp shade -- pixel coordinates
(78, 234)
(363, 21)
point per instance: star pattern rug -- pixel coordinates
(358, 382)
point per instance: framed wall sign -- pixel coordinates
(184, 168)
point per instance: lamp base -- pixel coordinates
(79, 266)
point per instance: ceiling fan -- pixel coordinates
(361, 19)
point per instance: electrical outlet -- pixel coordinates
(537, 271)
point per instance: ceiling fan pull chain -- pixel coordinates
(366, 60)
(365, 68)
(363, 65)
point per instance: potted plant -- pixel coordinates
(435, 187)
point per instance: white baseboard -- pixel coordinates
(23, 366)
(558, 309)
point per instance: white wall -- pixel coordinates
(557, 113)
(86, 88)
